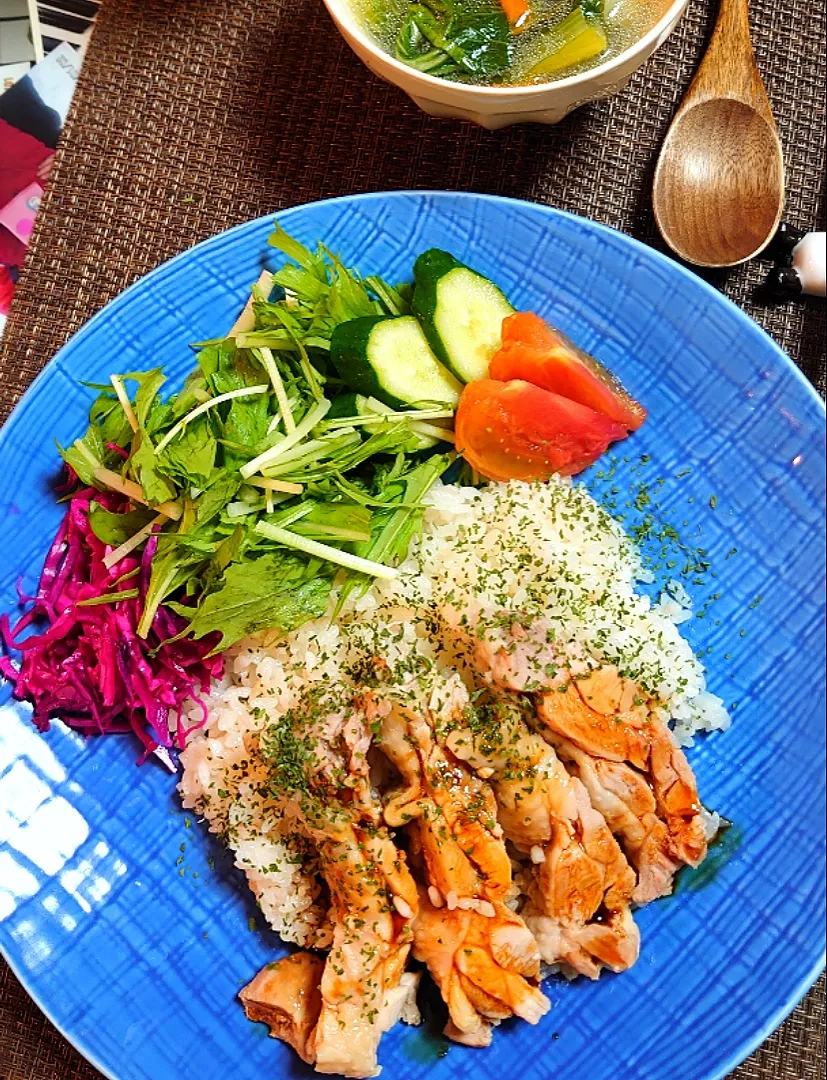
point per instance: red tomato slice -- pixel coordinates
(516, 431)
(534, 351)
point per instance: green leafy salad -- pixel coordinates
(266, 476)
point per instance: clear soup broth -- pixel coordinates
(506, 42)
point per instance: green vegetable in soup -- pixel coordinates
(578, 38)
(413, 46)
(484, 39)
(448, 41)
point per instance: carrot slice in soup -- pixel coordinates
(516, 11)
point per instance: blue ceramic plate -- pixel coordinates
(137, 954)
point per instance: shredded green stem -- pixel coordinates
(324, 551)
(338, 533)
(110, 598)
(305, 449)
(243, 509)
(295, 513)
(388, 417)
(265, 355)
(271, 339)
(125, 577)
(267, 484)
(358, 496)
(309, 372)
(277, 417)
(134, 492)
(432, 431)
(315, 450)
(243, 391)
(260, 290)
(87, 453)
(317, 413)
(381, 407)
(123, 397)
(128, 546)
(149, 611)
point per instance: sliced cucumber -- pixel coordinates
(390, 359)
(461, 313)
(347, 405)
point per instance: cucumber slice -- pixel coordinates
(389, 359)
(346, 405)
(461, 313)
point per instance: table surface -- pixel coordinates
(193, 116)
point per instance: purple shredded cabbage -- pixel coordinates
(86, 664)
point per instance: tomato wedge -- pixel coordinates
(536, 352)
(517, 431)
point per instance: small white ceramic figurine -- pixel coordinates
(801, 264)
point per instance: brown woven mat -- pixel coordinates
(194, 115)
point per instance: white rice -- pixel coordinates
(545, 550)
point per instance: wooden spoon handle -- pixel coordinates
(729, 69)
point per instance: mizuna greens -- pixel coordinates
(232, 505)
(255, 502)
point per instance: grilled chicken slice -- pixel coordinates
(481, 955)
(624, 798)
(373, 898)
(334, 1011)
(373, 903)
(606, 716)
(596, 716)
(579, 901)
(484, 965)
(466, 855)
(600, 712)
(581, 883)
(286, 996)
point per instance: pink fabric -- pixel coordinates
(20, 157)
(6, 290)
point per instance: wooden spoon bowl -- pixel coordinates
(718, 193)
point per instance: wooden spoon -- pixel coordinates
(719, 184)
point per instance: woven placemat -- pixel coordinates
(193, 116)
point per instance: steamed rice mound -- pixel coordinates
(544, 554)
